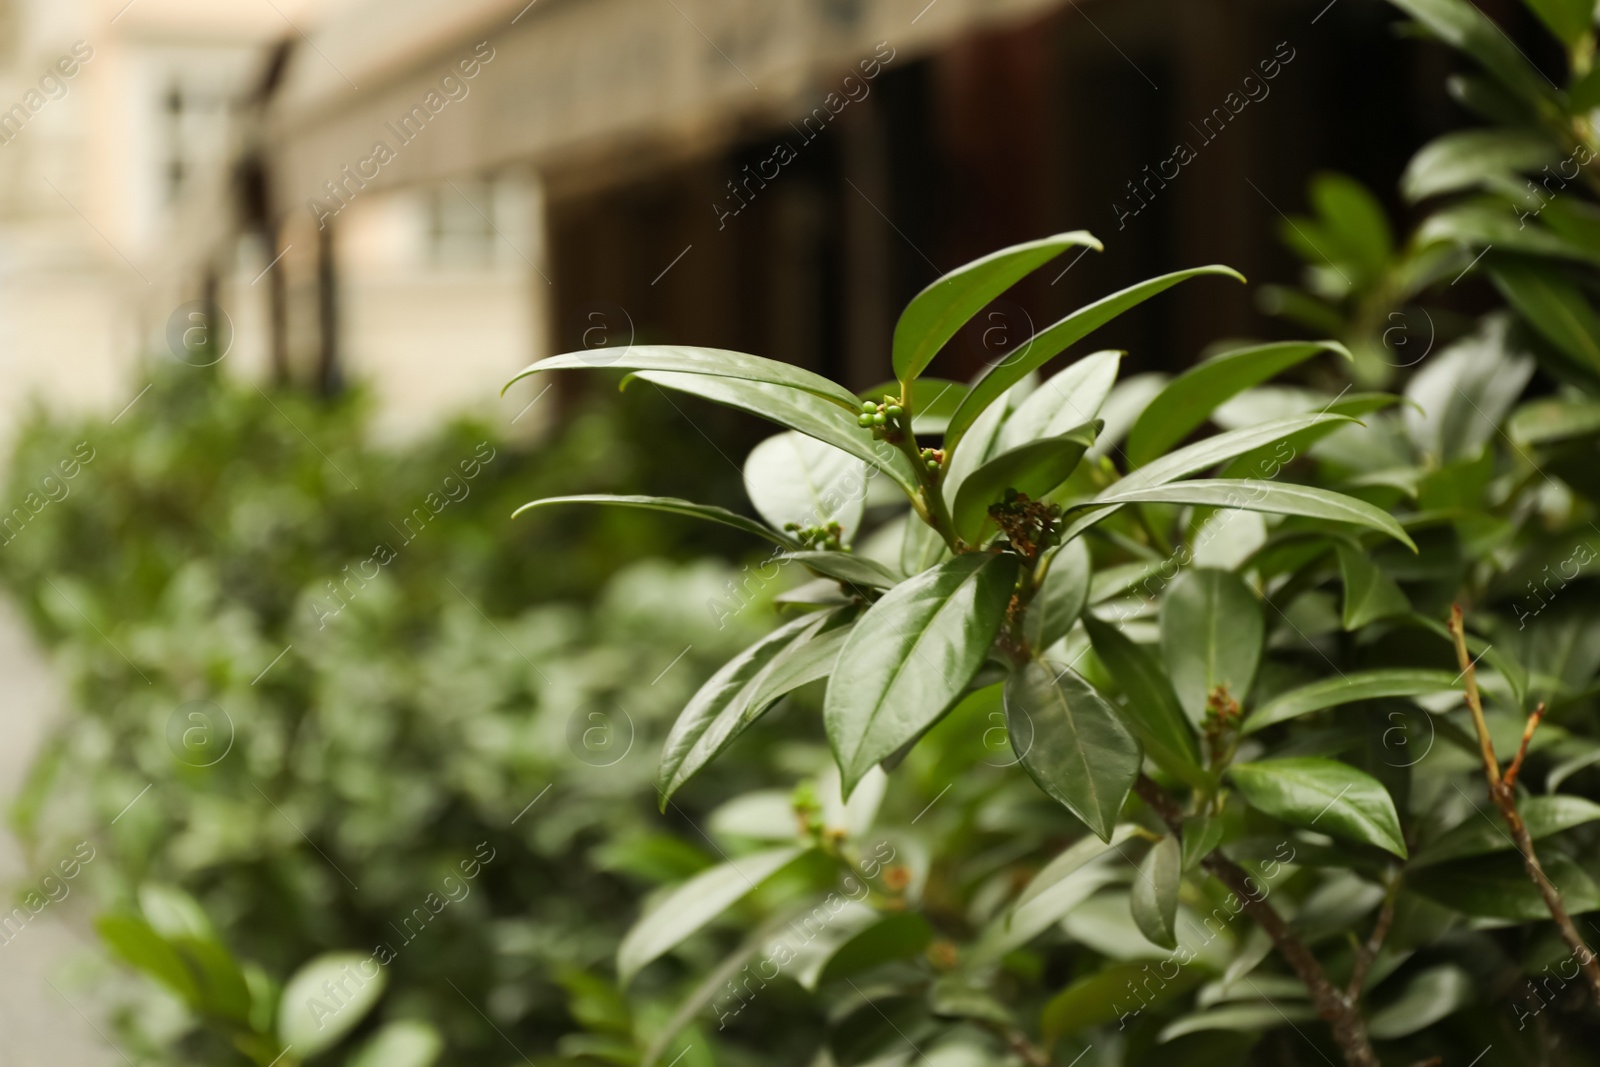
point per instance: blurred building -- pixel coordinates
(427, 194)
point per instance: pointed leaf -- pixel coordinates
(668, 504)
(938, 312)
(1034, 469)
(1072, 742)
(715, 362)
(1479, 836)
(1498, 887)
(1189, 399)
(1202, 455)
(896, 937)
(797, 411)
(1463, 27)
(1211, 635)
(792, 478)
(1349, 688)
(1065, 400)
(911, 655)
(1466, 159)
(1155, 893)
(1058, 603)
(1554, 306)
(1051, 341)
(725, 706)
(694, 904)
(848, 567)
(1153, 709)
(1324, 795)
(1369, 594)
(1256, 494)
(1104, 997)
(1427, 998)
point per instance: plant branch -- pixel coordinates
(1502, 790)
(1368, 952)
(1336, 1009)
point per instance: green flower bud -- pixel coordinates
(864, 419)
(868, 407)
(879, 419)
(894, 411)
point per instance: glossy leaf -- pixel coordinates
(1570, 20)
(1553, 419)
(1058, 603)
(792, 478)
(1051, 341)
(1498, 887)
(797, 411)
(1241, 1018)
(939, 311)
(1428, 997)
(847, 567)
(1484, 831)
(1348, 688)
(1466, 159)
(911, 655)
(1034, 469)
(1255, 494)
(1063, 401)
(695, 903)
(1189, 399)
(1324, 795)
(1369, 594)
(1072, 742)
(137, 944)
(1463, 27)
(1155, 892)
(309, 1019)
(727, 704)
(1104, 997)
(1554, 306)
(1191, 459)
(1152, 709)
(672, 505)
(1211, 637)
(1073, 858)
(712, 362)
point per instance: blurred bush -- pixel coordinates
(307, 688)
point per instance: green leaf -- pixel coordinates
(1552, 305)
(1551, 419)
(1369, 594)
(1073, 858)
(792, 478)
(1570, 20)
(1060, 599)
(1189, 399)
(911, 655)
(1256, 494)
(922, 547)
(728, 703)
(847, 567)
(1427, 998)
(877, 1028)
(310, 1018)
(403, 1043)
(1065, 400)
(1349, 688)
(797, 411)
(1356, 217)
(897, 937)
(939, 311)
(1463, 27)
(711, 362)
(1199, 456)
(1104, 997)
(1051, 341)
(1468, 159)
(1155, 892)
(1066, 882)
(1211, 635)
(1242, 1018)
(1071, 742)
(1498, 887)
(694, 904)
(1034, 468)
(1201, 835)
(1484, 831)
(136, 943)
(1153, 709)
(672, 505)
(1325, 795)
